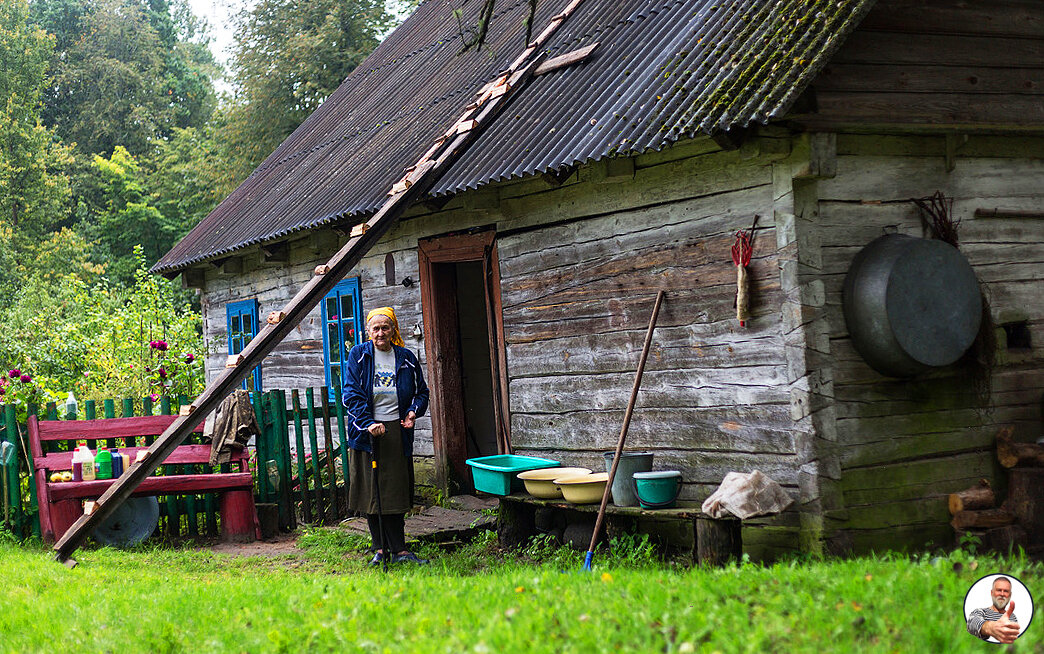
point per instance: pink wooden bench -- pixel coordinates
(61, 503)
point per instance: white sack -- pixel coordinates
(746, 495)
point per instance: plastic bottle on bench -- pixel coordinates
(88, 470)
(103, 462)
(117, 463)
(77, 465)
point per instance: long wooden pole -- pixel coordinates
(623, 430)
(418, 179)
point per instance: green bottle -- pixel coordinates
(103, 462)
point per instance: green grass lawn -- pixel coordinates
(482, 600)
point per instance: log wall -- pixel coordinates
(938, 63)
(580, 265)
(905, 444)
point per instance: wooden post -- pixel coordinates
(13, 509)
(302, 465)
(278, 441)
(264, 488)
(436, 161)
(313, 441)
(515, 523)
(718, 541)
(343, 440)
(335, 511)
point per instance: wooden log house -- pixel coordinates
(525, 278)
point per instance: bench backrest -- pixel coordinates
(42, 431)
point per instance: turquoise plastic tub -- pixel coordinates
(497, 474)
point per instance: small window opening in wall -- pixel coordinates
(1017, 335)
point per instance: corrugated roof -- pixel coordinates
(665, 70)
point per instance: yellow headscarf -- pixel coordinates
(396, 339)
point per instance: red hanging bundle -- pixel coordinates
(742, 250)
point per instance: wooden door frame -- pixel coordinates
(481, 247)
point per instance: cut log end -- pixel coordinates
(276, 317)
(972, 499)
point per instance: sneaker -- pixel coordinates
(409, 557)
(377, 559)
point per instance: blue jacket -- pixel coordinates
(357, 393)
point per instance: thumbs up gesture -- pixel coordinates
(1004, 629)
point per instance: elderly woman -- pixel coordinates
(384, 393)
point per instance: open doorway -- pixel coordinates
(460, 289)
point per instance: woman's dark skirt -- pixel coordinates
(395, 471)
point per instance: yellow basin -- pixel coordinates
(541, 483)
(583, 489)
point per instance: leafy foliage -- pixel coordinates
(94, 340)
(290, 55)
(124, 77)
(32, 188)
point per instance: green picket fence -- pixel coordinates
(300, 467)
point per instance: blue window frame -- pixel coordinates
(242, 327)
(342, 328)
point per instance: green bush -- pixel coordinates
(97, 341)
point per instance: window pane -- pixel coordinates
(347, 307)
(335, 377)
(235, 325)
(248, 325)
(335, 342)
(331, 308)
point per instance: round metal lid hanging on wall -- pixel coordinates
(911, 304)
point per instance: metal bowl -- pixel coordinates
(911, 304)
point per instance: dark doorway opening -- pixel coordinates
(460, 290)
(476, 368)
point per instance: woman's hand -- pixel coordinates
(376, 429)
(409, 420)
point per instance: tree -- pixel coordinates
(131, 71)
(289, 56)
(117, 213)
(32, 188)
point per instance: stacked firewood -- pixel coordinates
(1019, 520)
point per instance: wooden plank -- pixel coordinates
(108, 428)
(567, 59)
(333, 512)
(676, 347)
(954, 110)
(313, 441)
(911, 78)
(167, 484)
(750, 429)
(302, 303)
(965, 50)
(302, 464)
(184, 455)
(1012, 18)
(661, 388)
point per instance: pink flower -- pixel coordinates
(189, 358)
(154, 397)
(13, 374)
(162, 372)
(161, 346)
(26, 378)
(2, 390)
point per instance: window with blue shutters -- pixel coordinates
(342, 328)
(242, 327)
